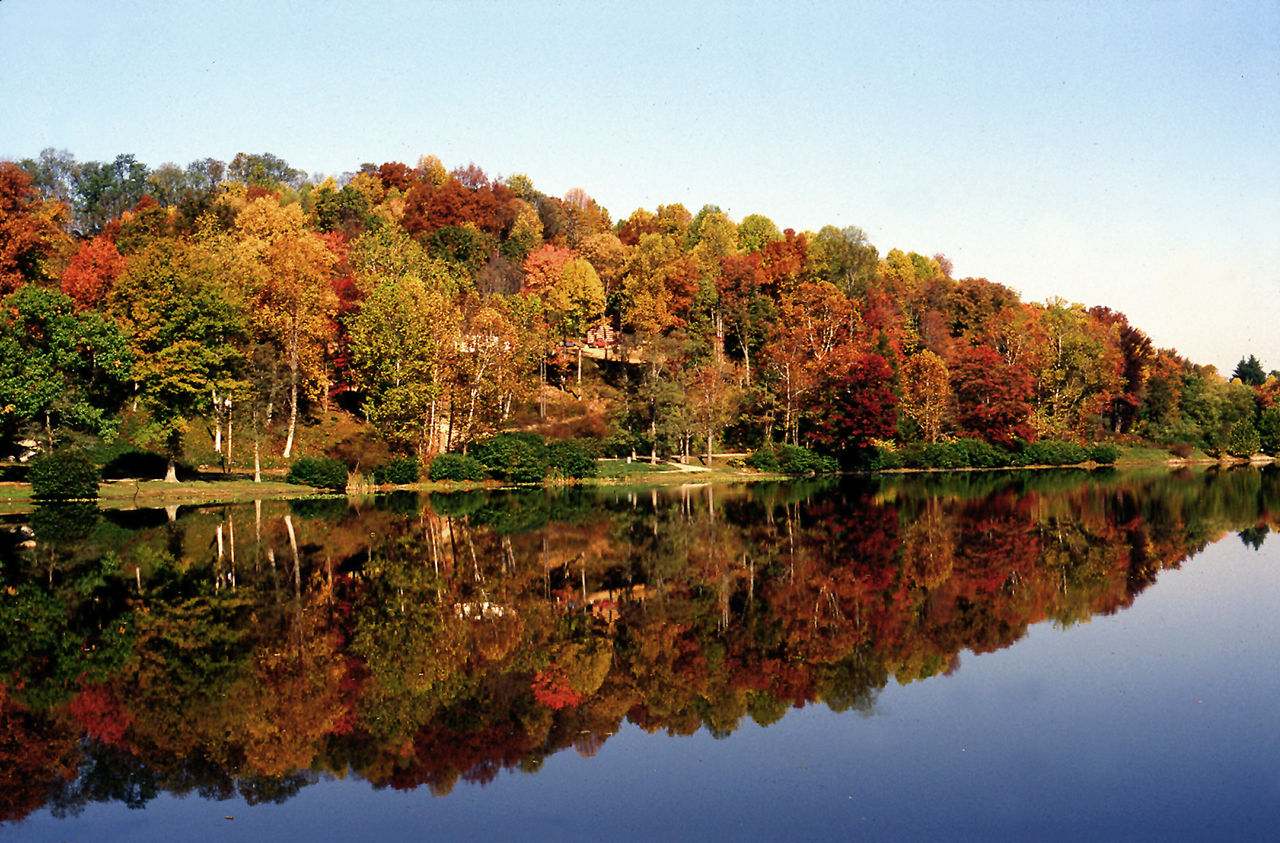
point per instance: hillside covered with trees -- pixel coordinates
(210, 313)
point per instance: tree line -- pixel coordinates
(442, 306)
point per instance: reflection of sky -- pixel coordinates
(1157, 722)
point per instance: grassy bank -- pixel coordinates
(15, 497)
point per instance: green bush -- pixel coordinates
(944, 455)
(320, 472)
(1104, 453)
(962, 453)
(457, 467)
(979, 453)
(572, 458)
(1243, 441)
(514, 457)
(885, 459)
(62, 476)
(764, 459)
(398, 471)
(793, 459)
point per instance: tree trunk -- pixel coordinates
(433, 435)
(217, 421)
(171, 472)
(293, 413)
(226, 463)
(579, 366)
(293, 391)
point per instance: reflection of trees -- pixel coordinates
(249, 650)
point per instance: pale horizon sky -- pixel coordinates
(1122, 154)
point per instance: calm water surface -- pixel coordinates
(1046, 656)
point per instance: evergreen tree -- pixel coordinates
(1250, 372)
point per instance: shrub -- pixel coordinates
(320, 472)
(62, 476)
(572, 458)
(1243, 441)
(1181, 450)
(398, 471)
(944, 455)
(763, 459)
(1104, 453)
(514, 457)
(793, 459)
(885, 459)
(457, 467)
(962, 453)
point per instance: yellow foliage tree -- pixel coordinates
(926, 393)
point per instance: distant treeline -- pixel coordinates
(442, 306)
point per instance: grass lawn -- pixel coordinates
(623, 470)
(129, 494)
(1148, 454)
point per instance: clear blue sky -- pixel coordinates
(1125, 154)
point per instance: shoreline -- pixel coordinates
(15, 497)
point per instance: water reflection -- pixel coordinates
(251, 650)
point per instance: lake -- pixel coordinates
(984, 655)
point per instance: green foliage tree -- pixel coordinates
(182, 322)
(1243, 441)
(755, 231)
(59, 367)
(845, 257)
(102, 191)
(264, 170)
(1269, 431)
(400, 340)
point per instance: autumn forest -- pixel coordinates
(241, 314)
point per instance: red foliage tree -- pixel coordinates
(26, 235)
(993, 399)
(395, 175)
(92, 272)
(852, 404)
(784, 261)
